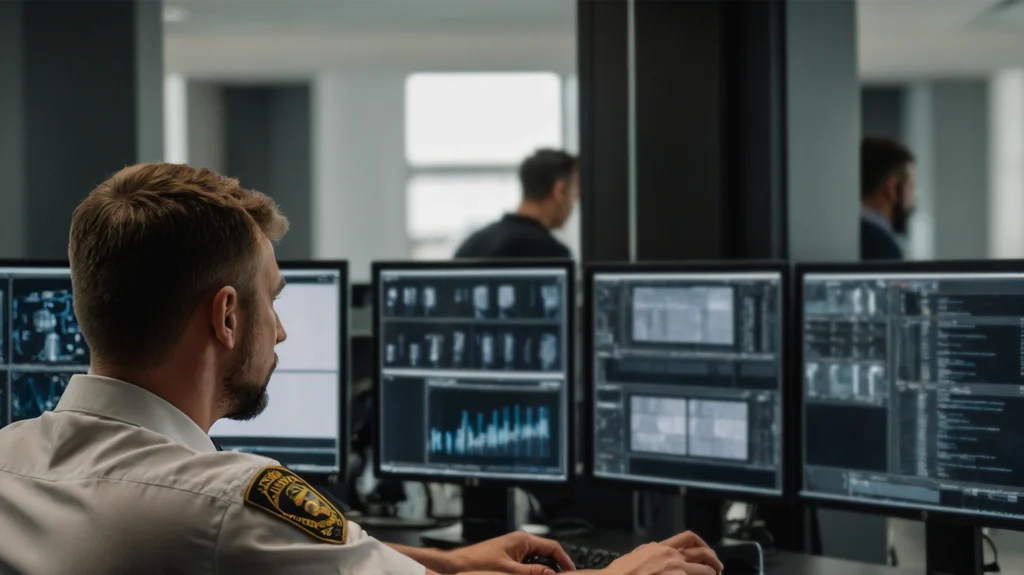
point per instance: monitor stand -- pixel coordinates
(705, 516)
(953, 549)
(487, 512)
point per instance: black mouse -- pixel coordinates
(548, 562)
(736, 566)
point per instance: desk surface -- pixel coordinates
(783, 563)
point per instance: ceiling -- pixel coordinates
(898, 39)
(371, 16)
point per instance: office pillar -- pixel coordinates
(1006, 192)
(81, 96)
(721, 130)
(919, 135)
(682, 129)
(359, 169)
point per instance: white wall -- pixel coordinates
(206, 140)
(1006, 195)
(359, 168)
(823, 130)
(918, 126)
(960, 124)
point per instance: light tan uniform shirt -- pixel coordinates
(117, 480)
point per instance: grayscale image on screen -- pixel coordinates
(683, 315)
(474, 369)
(658, 425)
(719, 429)
(687, 377)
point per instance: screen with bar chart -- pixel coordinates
(926, 371)
(473, 371)
(687, 376)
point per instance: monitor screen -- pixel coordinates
(474, 371)
(303, 424)
(687, 378)
(41, 346)
(912, 383)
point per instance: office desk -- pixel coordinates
(782, 563)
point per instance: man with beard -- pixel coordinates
(174, 280)
(887, 197)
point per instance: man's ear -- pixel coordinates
(891, 189)
(224, 317)
(559, 190)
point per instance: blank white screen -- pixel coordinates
(304, 390)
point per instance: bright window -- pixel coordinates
(465, 137)
(480, 119)
(447, 205)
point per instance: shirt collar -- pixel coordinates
(121, 401)
(876, 218)
(511, 217)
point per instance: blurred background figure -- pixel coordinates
(887, 197)
(550, 186)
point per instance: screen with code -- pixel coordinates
(926, 370)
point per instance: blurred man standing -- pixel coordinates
(887, 197)
(551, 187)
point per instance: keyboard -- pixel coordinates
(594, 558)
(589, 557)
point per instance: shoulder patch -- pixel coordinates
(287, 496)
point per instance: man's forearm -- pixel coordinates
(435, 560)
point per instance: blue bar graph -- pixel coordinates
(512, 431)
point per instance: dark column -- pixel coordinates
(81, 87)
(268, 142)
(604, 129)
(709, 129)
(722, 101)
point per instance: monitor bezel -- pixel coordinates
(569, 267)
(945, 516)
(344, 399)
(689, 488)
(344, 434)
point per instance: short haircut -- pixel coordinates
(539, 172)
(151, 244)
(881, 158)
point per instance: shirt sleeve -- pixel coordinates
(251, 541)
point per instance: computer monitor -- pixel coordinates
(41, 346)
(474, 370)
(913, 388)
(685, 375)
(304, 424)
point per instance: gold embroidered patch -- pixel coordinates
(283, 494)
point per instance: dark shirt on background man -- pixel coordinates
(877, 238)
(513, 236)
(887, 191)
(551, 186)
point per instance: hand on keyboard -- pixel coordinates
(684, 554)
(589, 558)
(660, 559)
